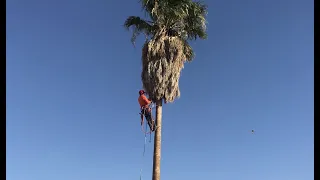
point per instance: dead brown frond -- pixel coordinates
(163, 59)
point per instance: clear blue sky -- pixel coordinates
(72, 87)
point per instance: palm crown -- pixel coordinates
(170, 24)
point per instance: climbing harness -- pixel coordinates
(146, 123)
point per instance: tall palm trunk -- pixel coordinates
(157, 142)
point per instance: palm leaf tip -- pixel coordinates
(138, 26)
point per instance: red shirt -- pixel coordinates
(143, 101)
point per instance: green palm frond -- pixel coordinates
(138, 26)
(195, 22)
(147, 7)
(188, 51)
(183, 18)
(190, 14)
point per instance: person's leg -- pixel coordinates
(153, 122)
(149, 119)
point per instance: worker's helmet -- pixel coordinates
(141, 92)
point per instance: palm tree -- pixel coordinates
(168, 27)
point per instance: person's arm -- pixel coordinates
(145, 99)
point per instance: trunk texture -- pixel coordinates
(157, 143)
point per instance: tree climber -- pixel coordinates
(145, 109)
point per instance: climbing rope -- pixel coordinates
(146, 131)
(145, 142)
(144, 150)
(150, 138)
